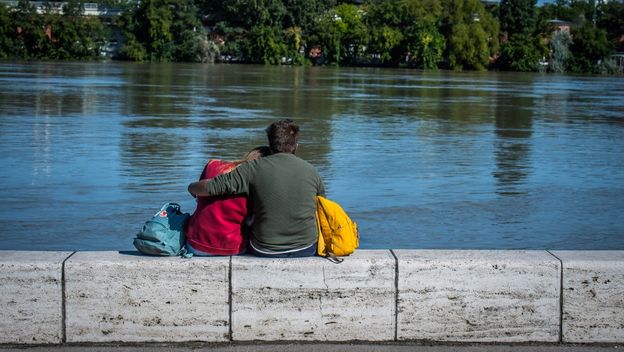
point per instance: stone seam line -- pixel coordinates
(560, 296)
(63, 301)
(230, 332)
(396, 296)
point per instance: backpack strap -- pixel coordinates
(332, 258)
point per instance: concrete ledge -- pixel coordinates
(375, 295)
(313, 298)
(478, 296)
(31, 297)
(593, 296)
(130, 298)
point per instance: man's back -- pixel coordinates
(283, 189)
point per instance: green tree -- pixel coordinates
(157, 23)
(164, 30)
(422, 12)
(471, 32)
(426, 46)
(6, 32)
(385, 13)
(386, 22)
(611, 19)
(190, 40)
(130, 23)
(404, 29)
(266, 45)
(233, 39)
(185, 18)
(342, 35)
(301, 20)
(133, 50)
(293, 37)
(54, 35)
(521, 53)
(385, 44)
(517, 16)
(148, 31)
(589, 48)
(259, 12)
(246, 27)
(522, 49)
(568, 10)
(560, 42)
(303, 14)
(195, 47)
(73, 8)
(28, 37)
(75, 36)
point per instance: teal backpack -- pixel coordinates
(163, 234)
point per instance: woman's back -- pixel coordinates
(218, 224)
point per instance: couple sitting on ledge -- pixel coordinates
(263, 205)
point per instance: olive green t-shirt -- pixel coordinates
(283, 189)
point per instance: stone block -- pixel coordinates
(313, 298)
(31, 297)
(478, 296)
(112, 297)
(593, 296)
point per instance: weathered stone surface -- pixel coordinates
(124, 297)
(314, 299)
(31, 296)
(467, 295)
(593, 295)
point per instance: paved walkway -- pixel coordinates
(319, 347)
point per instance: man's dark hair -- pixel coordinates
(282, 136)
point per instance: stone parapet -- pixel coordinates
(113, 297)
(31, 297)
(374, 295)
(314, 299)
(478, 296)
(593, 296)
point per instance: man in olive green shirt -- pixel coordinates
(283, 189)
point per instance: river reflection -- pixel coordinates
(418, 159)
(513, 146)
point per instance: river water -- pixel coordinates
(418, 159)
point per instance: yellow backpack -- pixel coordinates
(338, 234)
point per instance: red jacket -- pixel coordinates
(218, 224)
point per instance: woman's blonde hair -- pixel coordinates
(255, 153)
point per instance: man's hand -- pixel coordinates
(198, 189)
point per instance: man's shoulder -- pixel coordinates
(304, 163)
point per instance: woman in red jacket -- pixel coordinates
(218, 225)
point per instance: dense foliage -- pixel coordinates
(165, 30)
(427, 34)
(30, 35)
(521, 49)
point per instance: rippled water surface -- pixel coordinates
(418, 159)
